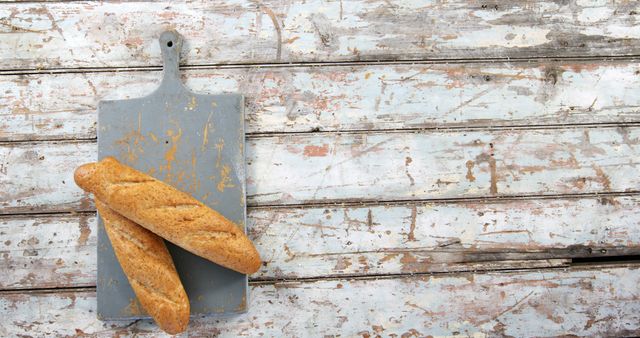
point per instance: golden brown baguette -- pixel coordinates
(148, 265)
(170, 213)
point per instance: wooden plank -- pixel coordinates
(39, 177)
(59, 251)
(339, 98)
(97, 34)
(583, 302)
(48, 252)
(312, 168)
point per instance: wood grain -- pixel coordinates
(48, 251)
(578, 301)
(313, 168)
(123, 34)
(340, 98)
(59, 251)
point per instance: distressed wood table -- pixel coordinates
(415, 168)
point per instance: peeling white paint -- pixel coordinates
(507, 36)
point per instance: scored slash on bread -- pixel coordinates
(146, 262)
(169, 213)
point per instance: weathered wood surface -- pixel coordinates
(59, 250)
(103, 34)
(48, 252)
(334, 167)
(582, 302)
(339, 98)
(354, 140)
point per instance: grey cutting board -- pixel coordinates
(194, 142)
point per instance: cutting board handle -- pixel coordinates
(170, 45)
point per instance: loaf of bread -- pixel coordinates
(169, 213)
(148, 265)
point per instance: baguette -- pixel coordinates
(148, 265)
(170, 213)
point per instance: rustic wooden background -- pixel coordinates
(415, 168)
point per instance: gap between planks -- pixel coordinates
(631, 58)
(372, 203)
(553, 264)
(442, 129)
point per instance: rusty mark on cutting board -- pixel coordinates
(219, 147)
(205, 133)
(225, 179)
(134, 308)
(170, 155)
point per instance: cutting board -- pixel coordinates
(195, 143)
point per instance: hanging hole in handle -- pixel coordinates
(170, 44)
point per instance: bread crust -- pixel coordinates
(169, 213)
(146, 262)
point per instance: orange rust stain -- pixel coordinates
(243, 304)
(367, 75)
(132, 141)
(449, 37)
(192, 103)
(153, 137)
(219, 147)
(205, 134)
(316, 151)
(134, 308)
(225, 179)
(470, 176)
(339, 286)
(170, 155)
